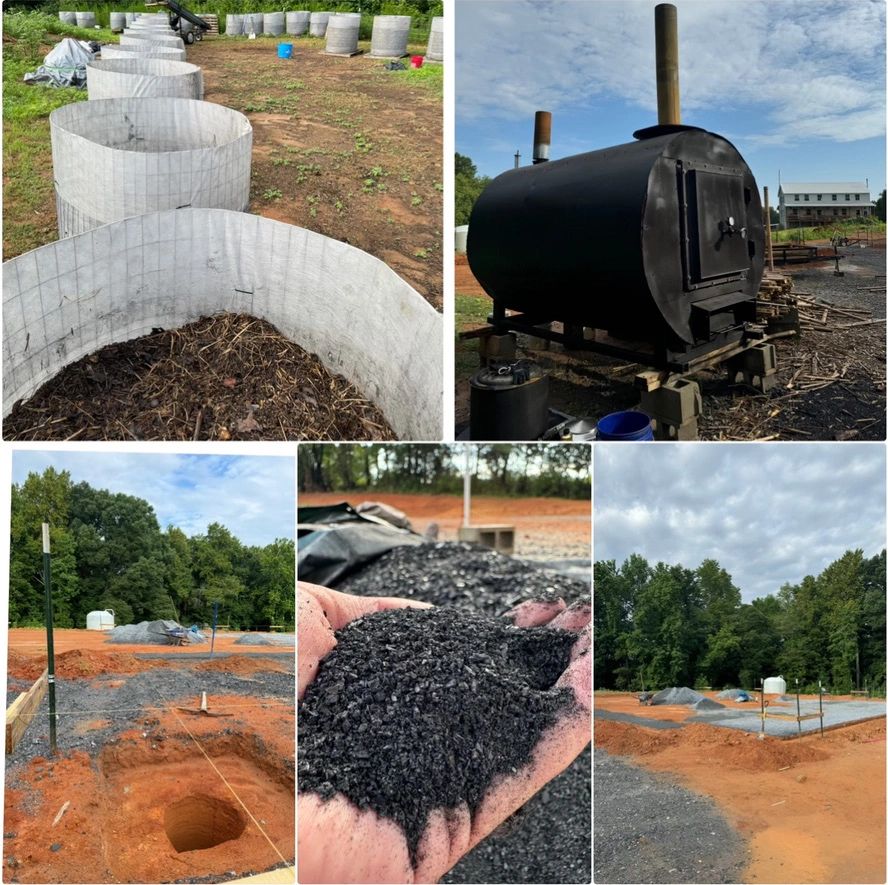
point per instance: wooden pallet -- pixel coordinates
(213, 22)
(21, 711)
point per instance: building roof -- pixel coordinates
(821, 187)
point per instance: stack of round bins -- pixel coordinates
(234, 25)
(155, 40)
(69, 18)
(343, 30)
(273, 23)
(435, 49)
(128, 156)
(118, 21)
(297, 23)
(85, 19)
(390, 34)
(253, 22)
(317, 24)
(130, 18)
(143, 78)
(67, 299)
(144, 50)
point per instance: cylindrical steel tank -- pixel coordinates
(509, 402)
(660, 240)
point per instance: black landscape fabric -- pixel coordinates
(462, 575)
(417, 710)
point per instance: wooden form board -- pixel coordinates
(21, 711)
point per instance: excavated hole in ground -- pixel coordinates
(201, 821)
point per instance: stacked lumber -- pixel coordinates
(775, 297)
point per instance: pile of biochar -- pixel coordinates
(416, 710)
(463, 575)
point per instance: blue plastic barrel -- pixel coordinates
(285, 50)
(625, 426)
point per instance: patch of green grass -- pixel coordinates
(363, 145)
(294, 84)
(847, 228)
(271, 193)
(469, 311)
(305, 170)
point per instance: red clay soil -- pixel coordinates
(539, 521)
(115, 828)
(812, 808)
(32, 641)
(246, 666)
(78, 664)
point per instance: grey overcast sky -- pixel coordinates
(769, 513)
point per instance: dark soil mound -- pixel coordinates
(460, 575)
(416, 710)
(229, 376)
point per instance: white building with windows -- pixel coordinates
(809, 204)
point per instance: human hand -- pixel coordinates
(338, 842)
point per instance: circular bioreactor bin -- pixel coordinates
(85, 19)
(171, 42)
(254, 23)
(128, 156)
(143, 78)
(658, 241)
(273, 23)
(297, 23)
(390, 35)
(118, 21)
(317, 23)
(435, 48)
(66, 300)
(343, 30)
(234, 25)
(69, 18)
(144, 50)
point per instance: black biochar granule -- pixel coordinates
(417, 710)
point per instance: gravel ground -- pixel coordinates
(460, 575)
(650, 830)
(637, 720)
(547, 840)
(79, 699)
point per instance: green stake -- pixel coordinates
(50, 649)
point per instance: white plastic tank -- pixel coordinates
(462, 233)
(774, 685)
(100, 620)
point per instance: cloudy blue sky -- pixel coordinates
(254, 497)
(797, 85)
(769, 513)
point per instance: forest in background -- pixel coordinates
(668, 625)
(502, 469)
(108, 551)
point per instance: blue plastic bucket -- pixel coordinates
(285, 50)
(625, 426)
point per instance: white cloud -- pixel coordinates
(808, 69)
(769, 514)
(254, 497)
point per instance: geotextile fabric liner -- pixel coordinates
(67, 299)
(435, 48)
(127, 156)
(234, 25)
(143, 78)
(297, 22)
(273, 23)
(342, 33)
(144, 50)
(317, 23)
(389, 37)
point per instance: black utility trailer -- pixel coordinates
(177, 14)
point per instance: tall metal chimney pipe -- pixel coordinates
(542, 136)
(666, 34)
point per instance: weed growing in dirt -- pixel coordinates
(363, 145)
(271, 193)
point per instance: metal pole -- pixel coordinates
(762, 693)
(820, 698)
(215, 621)
(666, 38)
(50, 648)
(798, 709)
(768, 232)
(467, 488)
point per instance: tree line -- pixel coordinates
(533, 470)
(663, 625)
(108, 551)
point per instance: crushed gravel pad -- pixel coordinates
(547, 840)
(416, 710)
(460, 575)
(650, 830)
(141, 690)
(647, 722)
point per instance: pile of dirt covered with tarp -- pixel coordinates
(155, 633)
(685, 697)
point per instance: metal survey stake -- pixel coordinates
(215, 621)
(50, 649)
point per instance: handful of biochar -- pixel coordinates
(421, 709)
